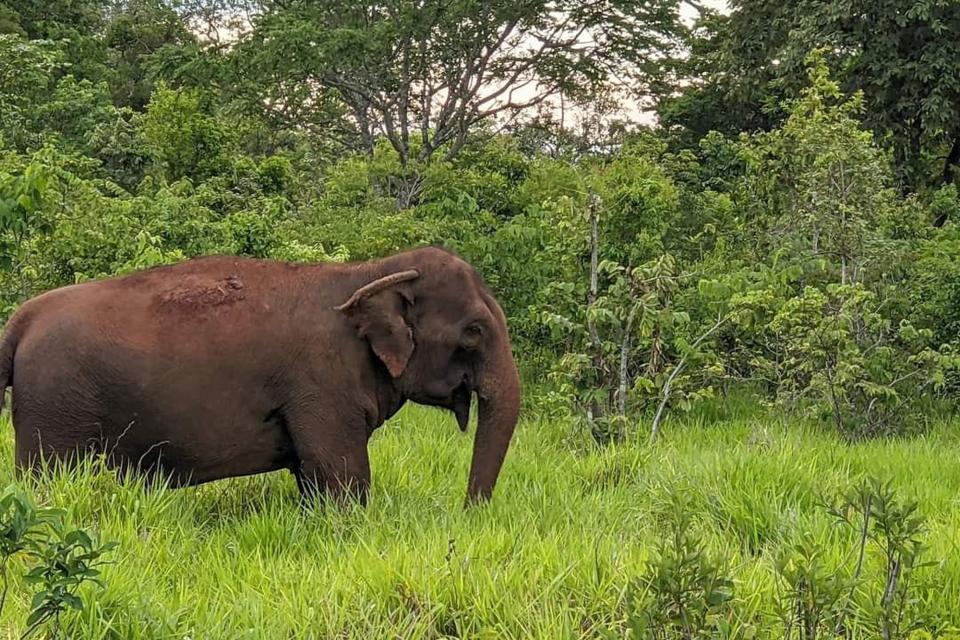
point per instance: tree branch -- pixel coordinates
(676, 371)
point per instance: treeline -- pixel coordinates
(790, 226)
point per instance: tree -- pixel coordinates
(423, 73)
(186, 140)
(25, 69)
(74, 25)
(833, 178)
(134, 34)
(40, 19)
(900, 53)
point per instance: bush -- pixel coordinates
(63, 559)
(683, 593)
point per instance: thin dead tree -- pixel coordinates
(594, 205)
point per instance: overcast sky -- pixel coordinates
(689, 12)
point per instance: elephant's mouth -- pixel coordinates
(461, 404)
(458, 401)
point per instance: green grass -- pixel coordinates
(569, 527)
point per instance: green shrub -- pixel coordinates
(683, 593)
(62, 558)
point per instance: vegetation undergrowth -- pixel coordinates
(576, 542)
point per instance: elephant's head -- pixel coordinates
(442, 337)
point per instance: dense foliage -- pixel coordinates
(646, 275)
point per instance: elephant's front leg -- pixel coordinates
(332, 457)
(348, 477)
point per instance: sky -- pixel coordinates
(688, 12)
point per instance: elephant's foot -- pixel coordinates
(341, 489)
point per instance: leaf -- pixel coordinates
(73, 601)
(36, 616)
(78, 537)
(38, 599)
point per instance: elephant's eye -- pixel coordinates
(472, 335)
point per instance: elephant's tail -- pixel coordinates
(8, 347)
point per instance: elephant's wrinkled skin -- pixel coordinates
(223, 366)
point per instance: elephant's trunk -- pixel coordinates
(499, 406)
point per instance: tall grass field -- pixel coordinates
(562, 551)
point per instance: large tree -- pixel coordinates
(422, 73)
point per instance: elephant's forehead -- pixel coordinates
(455, 274)
(453, 289)
(453, 306)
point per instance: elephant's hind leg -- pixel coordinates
(55, 418)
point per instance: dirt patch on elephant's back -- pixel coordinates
(193, 294)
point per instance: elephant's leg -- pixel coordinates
(332, 458)
(338, 476)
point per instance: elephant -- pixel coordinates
(224, 366)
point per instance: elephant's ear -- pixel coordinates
(376, 310)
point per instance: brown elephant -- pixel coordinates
(224, 366)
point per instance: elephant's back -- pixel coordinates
(201, 307)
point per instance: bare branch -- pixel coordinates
(665, 393)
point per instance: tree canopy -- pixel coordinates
(900, 53)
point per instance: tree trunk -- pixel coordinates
(665, 392)
(594, 411)
(625, 364)
(950, 165)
